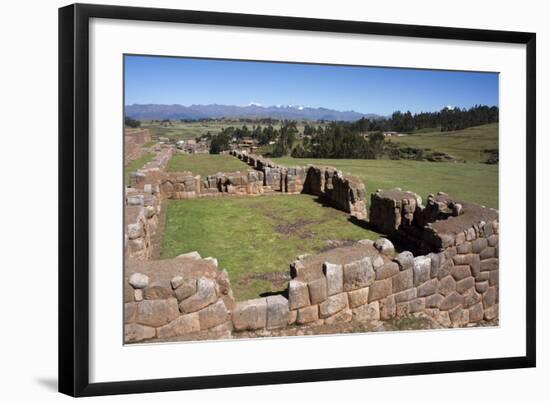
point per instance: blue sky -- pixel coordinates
(171, 80)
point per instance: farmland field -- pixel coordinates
(183, 130)
(255, 238)
(179, 130)
(468, 144)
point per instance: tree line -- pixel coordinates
(447, 119)
(339, 141)
(130, 122)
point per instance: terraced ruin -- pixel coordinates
(435, 264)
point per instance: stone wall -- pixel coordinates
(345, 192)
(366, 282)
(143, 203)
(141, 215)
(167, 299)
(453, 279)
(134, 139)
(438, 225)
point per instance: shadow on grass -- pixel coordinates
(284, 293)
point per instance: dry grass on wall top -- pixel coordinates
(255, 238)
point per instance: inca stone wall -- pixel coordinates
(134, 139)
(143, 206)
(345, 192)
(166, 299)
(141, 220)
(368, 281)
(453, 279)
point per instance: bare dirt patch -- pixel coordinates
(297, 228)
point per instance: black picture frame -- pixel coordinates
(74, 198)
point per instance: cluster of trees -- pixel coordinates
(448, 119)
(219, 142)
(284, 137)
(130, 122)
(338, 140)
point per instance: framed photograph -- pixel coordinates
(251, 199)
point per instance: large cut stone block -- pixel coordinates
(402, 281)
(405, 295)
(489, 298)
(465, 284)
(461, 272)
(380, 289)
(450, 301)
(213, 315)
(206, 294)
(130, 312)
(438, 261)
(417, 305)
(157, 312)
(335, 278)
(333, 304)
(479, 245)
(433, 301)
(317, 290)
(367, 312)
(491, 313)
(136, 332)
(182, 325)
(471, 297)
(428, 288)
(465, 247)
(476, 312)
(307, 314)
(405, 260)
(250, 314)
(447, 285)
(298, 294)
(387, 270)
(422, 270)
(358, 297)
(344, 316)
(489, 264)
(387, 308)
(185, 289)
(358, 274)
(277, 312)
(160, 289)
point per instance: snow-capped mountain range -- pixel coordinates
(252, 110)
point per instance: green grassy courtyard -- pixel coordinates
(255, 238)
(205, 164)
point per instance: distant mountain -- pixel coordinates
(195, 112)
